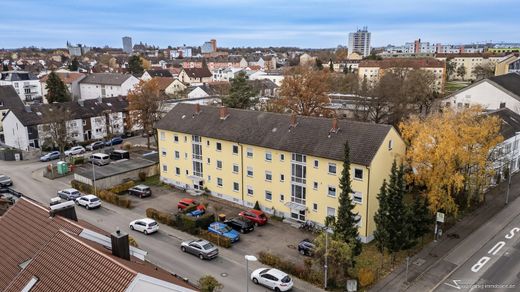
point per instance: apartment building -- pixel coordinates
(372, 70)
(359, 42)
(26, 84)
(469, 61)
(290, 164)
(101, 85)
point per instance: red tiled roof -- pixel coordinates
(403, 62)
(164, 82)
(67, 78)
(84, 269)
(198, 72)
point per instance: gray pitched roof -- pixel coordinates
(510, 82)
(510, 122)
(38, 114)
(198, 72)
(105, 78)
(17, 76)
(159, 73)
(271, 130)
(9, 99)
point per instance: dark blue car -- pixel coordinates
(50, 156)
(114, 141)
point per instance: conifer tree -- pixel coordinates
(420, 217)
(74, 65)
(57, 91)
(345, 226)
(241, 94)
(381, 234)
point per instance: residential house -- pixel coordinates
(265, 62)
(93, 119)
(71, 80)
(511, 64)
(307, 60)
(469, 61)
(491, 93)
(195, 75)
(290, 165)
(276, 76)
(163, 83)
(175, 87)
(50, 250)
(200, 91)
(225, 74)
(372, 70)
(265, 87)
(26, 84)
(103, 85)
(9, 99)
(149, 74)
(506, 155)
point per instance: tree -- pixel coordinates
(339, 256)
(450, 68)
(74, 65)
(346, 225)
(56, 130)
(5, 67)
(419, 87)
(461, 71)
(209, 284)
(449, 154)
(319, 64)
(57, 91)
(145, 106)
(382, 232)
(420, 217)
(331, 66)
(484, 71)
(241, 94)
(304, 92)
(135, 65)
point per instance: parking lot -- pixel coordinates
(278, 237)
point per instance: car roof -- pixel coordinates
(71, 190)
(89, 196)
(100, 154)
(277, 273)
(141, 186)
(187, 200)
(254, 211)
(201, 241)
(146, 220)
(218, 224)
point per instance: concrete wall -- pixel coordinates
(111, 181)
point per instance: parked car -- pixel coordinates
(187, 202)
(99, 159)
(258, 217)
(119, 154)
(75, 151)
(141, 191)
(89, 202)
(145, 225)
(95, 145)
(201, 248)
(114, 141)
(69, 194)
(240, 224)
(272, 278)
(196, 213)
(50, 156)
(306, 247)
(5, 181)
(224, 230)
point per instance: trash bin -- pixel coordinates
(222, 217)
(62, 167)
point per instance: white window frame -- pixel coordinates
(249, 152)
(356, 195)
(270, 193)
(165, 168)
(268, 156)
(335, 168)
(220, 182)
(335, 191)
(219, 162)
(362, 173)
(235, 166)
(250, 188)
(267, 172)
(235, 184)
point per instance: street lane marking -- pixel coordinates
(494, 250)
(455, 285)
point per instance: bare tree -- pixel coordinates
(57, 131)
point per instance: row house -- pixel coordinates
(101, 85)
(71, 80)
(26, 84)
(372, 70)
(85, 120)
(290, 165)
(195, 75)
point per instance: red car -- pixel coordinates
(187, 202)
(257, 216)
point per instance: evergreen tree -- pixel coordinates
(74, 65)
(5, 67)
(420, 217)
(331, 66)
(241, 93)
(135, 65)
(381, 234)
(345, 70)
(57, 91)
(319, 64)
(345, 227)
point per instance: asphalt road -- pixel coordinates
(163, 247)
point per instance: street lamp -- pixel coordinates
(249, 258)
(511, 163)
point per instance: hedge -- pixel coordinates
(118, 189)
(300, 271)
(216, 239)
(114, 199)
(82, 187)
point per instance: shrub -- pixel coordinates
(257, 206)
(215, 238)
(118, 189)
(189, 209)
(209, 284)
(304, 272)
(186, 223)
(151, 213)
(366, 277)
(142, 175)
(75, 160)
(132, 241)
(205, 220)
(82, 187)
(127, 146)
(114, 199)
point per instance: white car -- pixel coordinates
(145, 225)
(272, 278)
(89, 202)
(75, 151)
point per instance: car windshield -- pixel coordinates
(152, 224)
(226, 229)
(264, 271)
(207, 246)
(94, 199)
(74, 193)
(286, 279)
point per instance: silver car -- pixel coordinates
(5, 181)
(69, 194)
(201, 248)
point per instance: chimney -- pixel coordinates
(293, 122)
(334, 128)
(120, 245)
(223, 111)
(65, 210)
(197, 108)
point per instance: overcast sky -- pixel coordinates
(301, 23)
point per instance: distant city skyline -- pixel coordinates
(234, 23)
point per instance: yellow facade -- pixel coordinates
(245, 174)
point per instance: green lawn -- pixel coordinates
(452, 86)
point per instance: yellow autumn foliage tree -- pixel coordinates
(449, 153)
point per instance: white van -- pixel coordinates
(99, 159)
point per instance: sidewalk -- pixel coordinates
(427, 266)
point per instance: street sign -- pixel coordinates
(440, 217)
